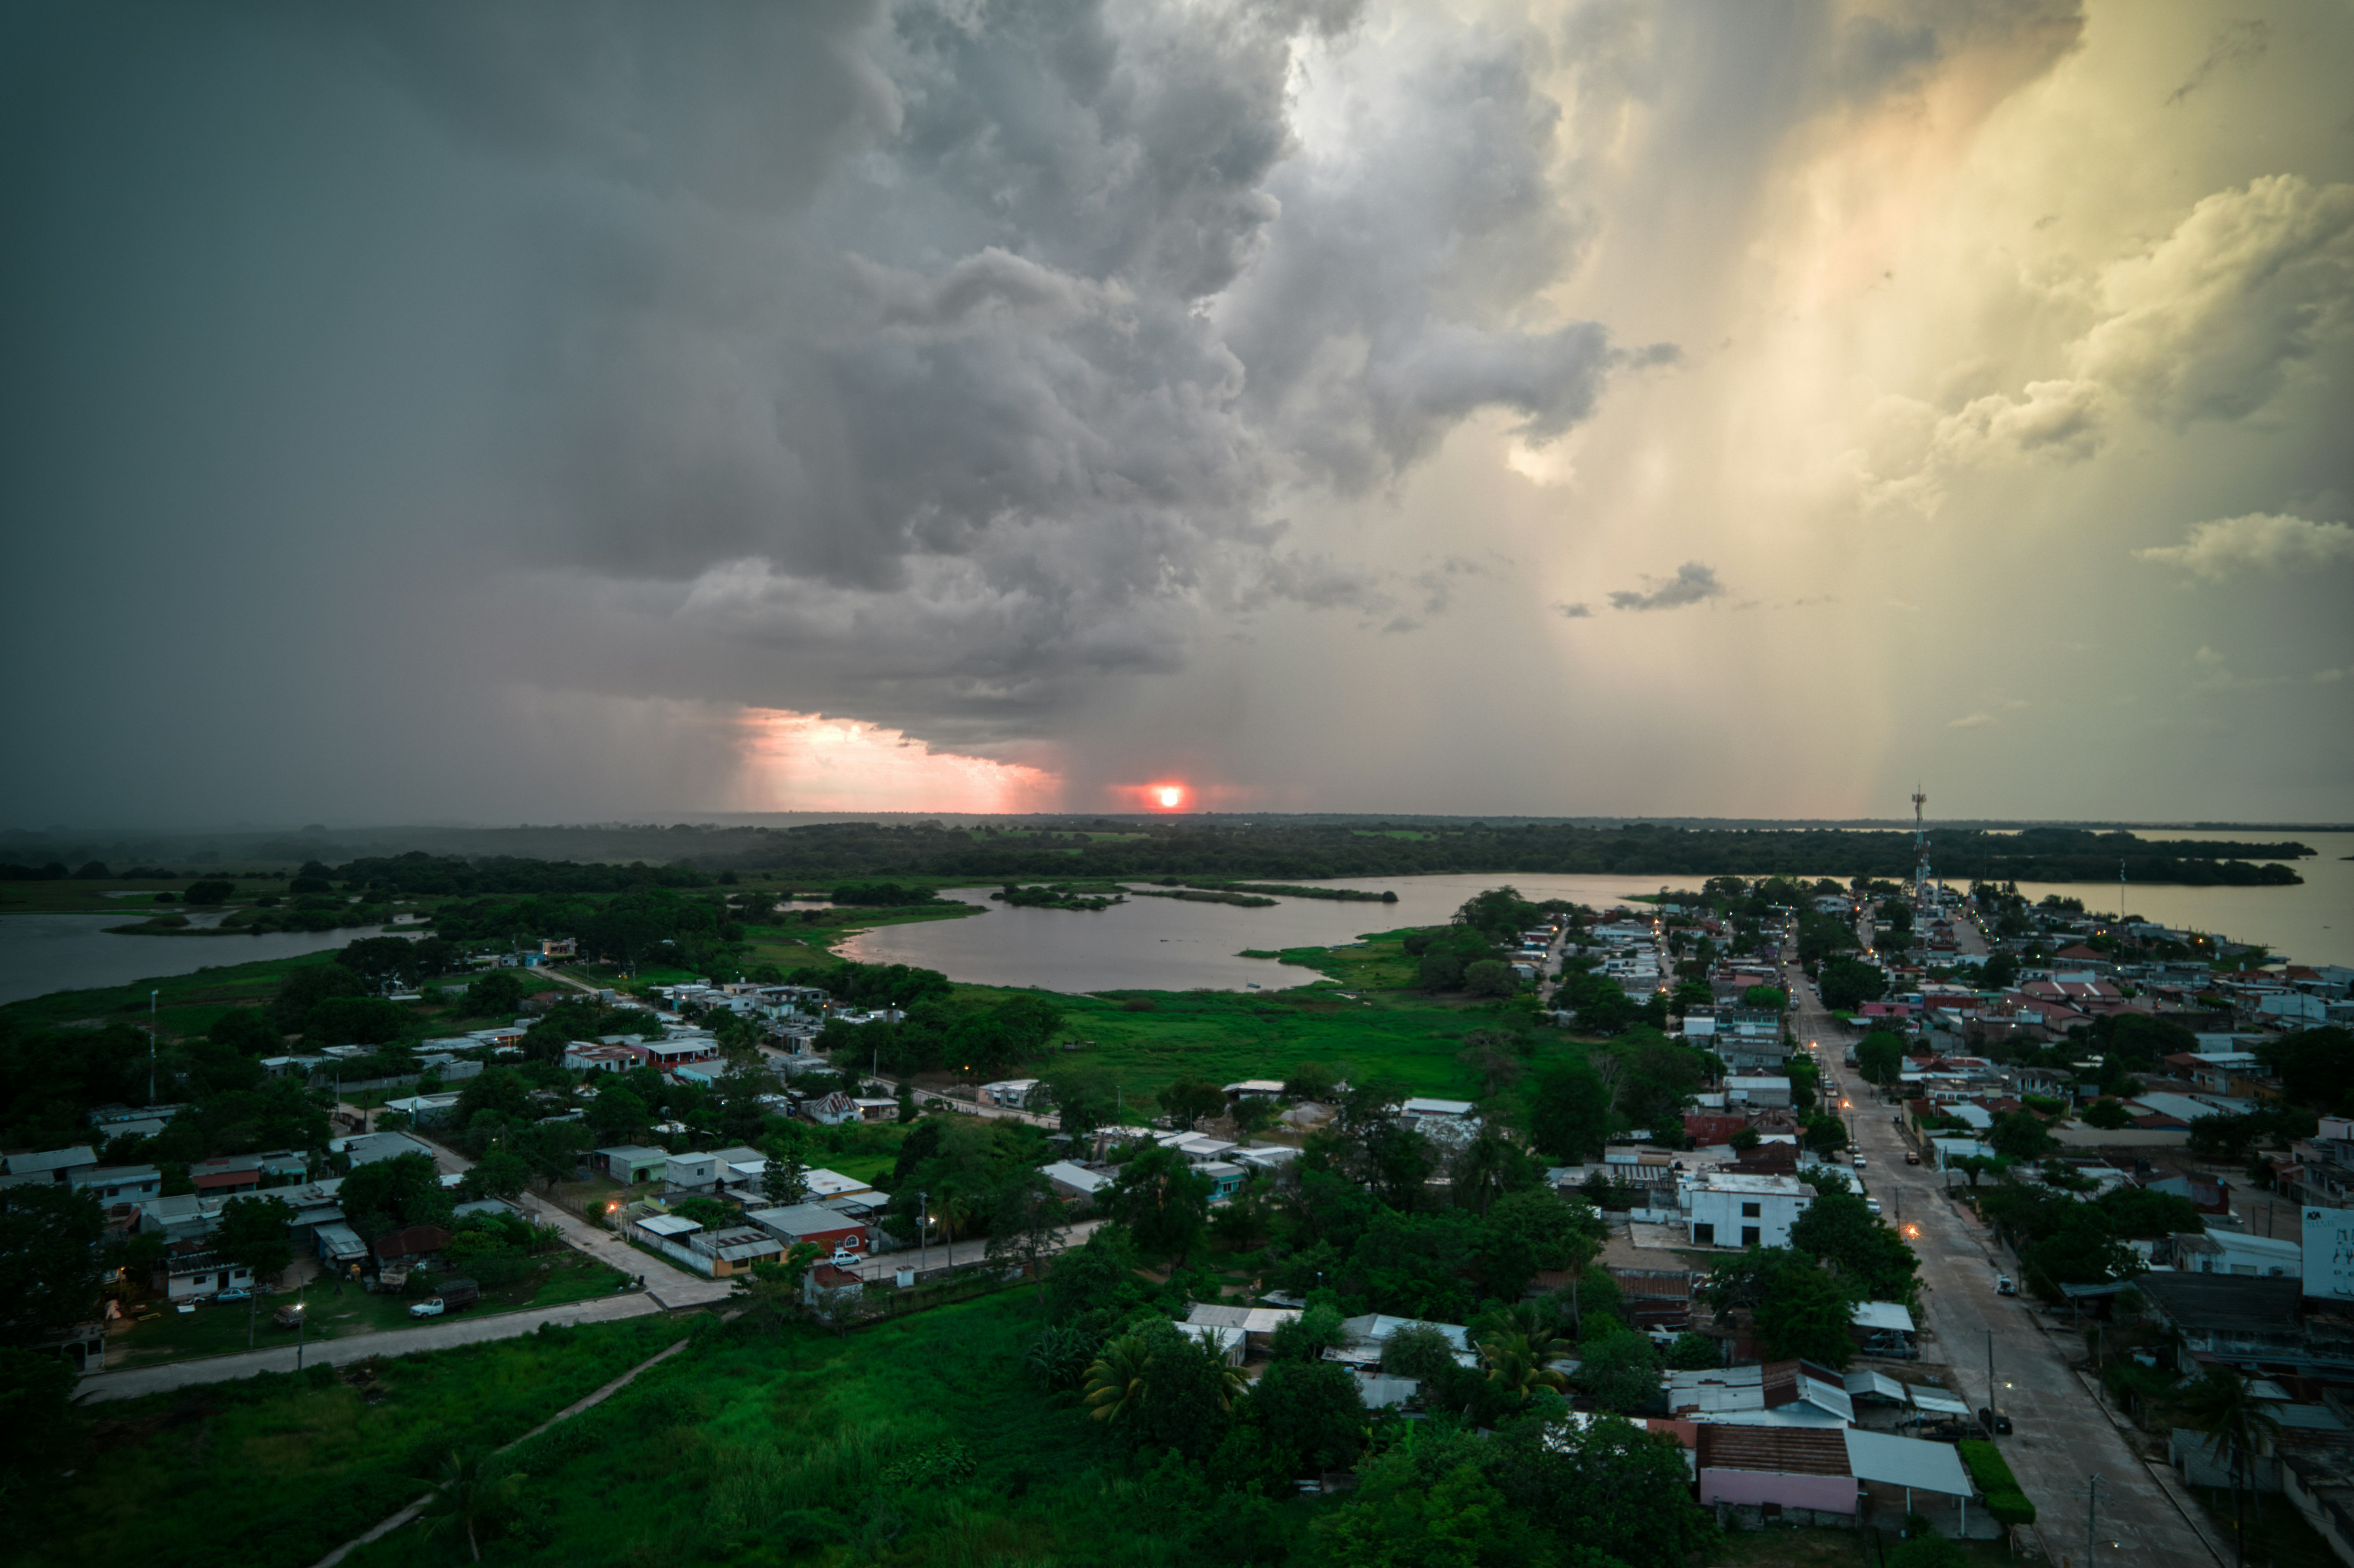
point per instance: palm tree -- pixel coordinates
(1231, 1379)
(470, 1493)
(1517, 1364)
(2223, 1404)
(1120, 1380)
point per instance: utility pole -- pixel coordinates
(151, 1046)
(1990, 1400)
(2091, 1510)
(923, 1230)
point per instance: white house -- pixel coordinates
(1764, 1093)
(1014, 1092)
(1729, 1209)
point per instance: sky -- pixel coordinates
(545, 412)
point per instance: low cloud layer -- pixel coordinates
(1692, 584)
(2256, 543)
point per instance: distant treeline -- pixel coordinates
(1196, 851)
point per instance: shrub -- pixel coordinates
(2010, 1507)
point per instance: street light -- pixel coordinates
(302, 1328)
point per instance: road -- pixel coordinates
(2063, 1436)
(131, 1383)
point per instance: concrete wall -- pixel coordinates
(1822, 1494)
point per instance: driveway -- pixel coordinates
(2063, 1435)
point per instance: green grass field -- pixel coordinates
(274, 1471)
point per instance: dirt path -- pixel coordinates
(570, 1411)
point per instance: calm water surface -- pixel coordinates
(1163, 944)
(42, 953)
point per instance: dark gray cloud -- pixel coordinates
(1692, 584)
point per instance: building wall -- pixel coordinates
(1823, 1494)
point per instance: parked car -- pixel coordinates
(287, 1318)
(1910, 1158)
(1861, 1163)
(1994, 1422)
(2005, 1286)
(453, 1295)
(843, 1258)
(228, 1296)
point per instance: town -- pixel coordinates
(1872, 1206)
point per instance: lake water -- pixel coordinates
(42, 953)
(1164, 944)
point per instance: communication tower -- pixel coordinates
(1919, 848)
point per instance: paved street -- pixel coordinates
(2063, 1437)
(280, 1357)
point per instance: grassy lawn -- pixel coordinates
(189, 1002)
(278, 1469)
(220, 1329)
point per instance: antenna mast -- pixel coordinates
(1919, 848)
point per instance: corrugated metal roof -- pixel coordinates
(1778, 1450)
(1881, 1316)
(1906, 1462)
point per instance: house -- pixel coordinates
(1076, 1180)
(2231, 1252)
(1786, 1473)
(55, 1166)
(630, 1164)
(1231, 1331)
(589, 1056)
(1225, 1177)
(828, 1290)
(794, 1223)
(1729, 1209)
(825, 1185)
(876, 1107)
(367, 1148)
(1762, 1093)
(667, 1055)
(1255, 1089)
(723, 1252)
(1014, 1092)
(691, 1173)
(118, 1187)
(1650, 1297)
(1421, 1108)
(1883, 1329)
(2236, 1319)
(832, 1110)
(340, 1249)
(1778, 1394)
(192, 1271)
(1364, 1336)
(1266, 1155)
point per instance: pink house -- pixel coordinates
(1776, 1468)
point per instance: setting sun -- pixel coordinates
(1169, 795)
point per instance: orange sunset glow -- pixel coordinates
(809, 762)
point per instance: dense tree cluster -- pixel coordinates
(1299, 848)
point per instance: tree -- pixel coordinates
(2108, 1115)
(2315, 1065)
(1026, 1222)
(253, 1233)
(1311, 1412)
(2223, 1406)
(501, 1173)
(1187, 1100)
(1516, 1366)
(1847, 984)
(471, 1496)
(1526, 1233)
(1621, 1371)
(618, 1112)
(494, 995)
(1880, 1057)
(1772, 998)
(1838, 1229)
(1489, 976)
(1569, 1115)
(49, 1260)
(1162, 1199)
(770, 1289)
(403, 1191)
(1491, 1056)
(2020, 1135)
(1806, 1314)
(1691, 1352)
(1608, 1490)
(1744, 1139)
(1311, 1081)
(1824, 1134)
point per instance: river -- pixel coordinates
(1164, 944)
(42, 953)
